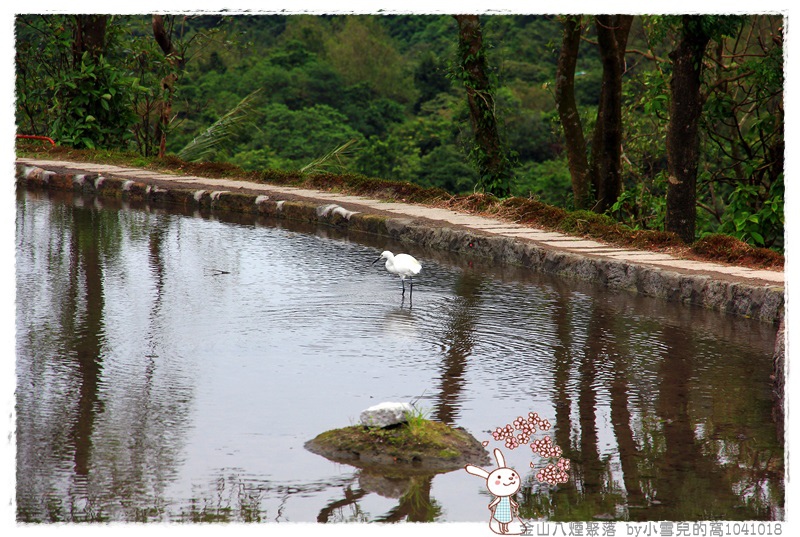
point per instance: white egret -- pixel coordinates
(403, 265)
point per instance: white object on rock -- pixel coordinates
(386, 414)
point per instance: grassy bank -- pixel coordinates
(526, 211)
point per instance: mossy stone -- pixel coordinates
(419, 446)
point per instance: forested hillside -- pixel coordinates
(387, 97)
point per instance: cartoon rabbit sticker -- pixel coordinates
(504, 483)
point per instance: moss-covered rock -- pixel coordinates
(420, 446)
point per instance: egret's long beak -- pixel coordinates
(379, 258)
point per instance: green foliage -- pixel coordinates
(222, 129)
(334, 160)
(395, 85)
(139, 54)
(488, 150)
(547, 181)
(83, 102)
(313, 32)
(643, 205)
(361, 51)
(444, 167)
(763, 227)
(37, 63)
(417, 421)
(743, 133)
(91, 105)
(528, 131)
(583, 221)
(395, 158)
(369, 113)
(290, 139)
(430, 78)
(719, 26)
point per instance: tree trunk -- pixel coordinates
(493, 165)
(163, 37)
(603, 173)
(89, 35)
(165, 112)
(682, 142)
(606, 172)
(568, 113)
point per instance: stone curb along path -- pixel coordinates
(738, 290)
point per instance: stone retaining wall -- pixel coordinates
(765, 303)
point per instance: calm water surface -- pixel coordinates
(170, 367)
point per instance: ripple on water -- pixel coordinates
(213, 351)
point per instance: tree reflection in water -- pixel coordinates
(657, 424)
(673, 461)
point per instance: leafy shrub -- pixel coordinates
(91, 106)
(762, 227)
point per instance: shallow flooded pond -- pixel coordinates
(170, 367)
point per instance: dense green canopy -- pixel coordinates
(390, 88)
